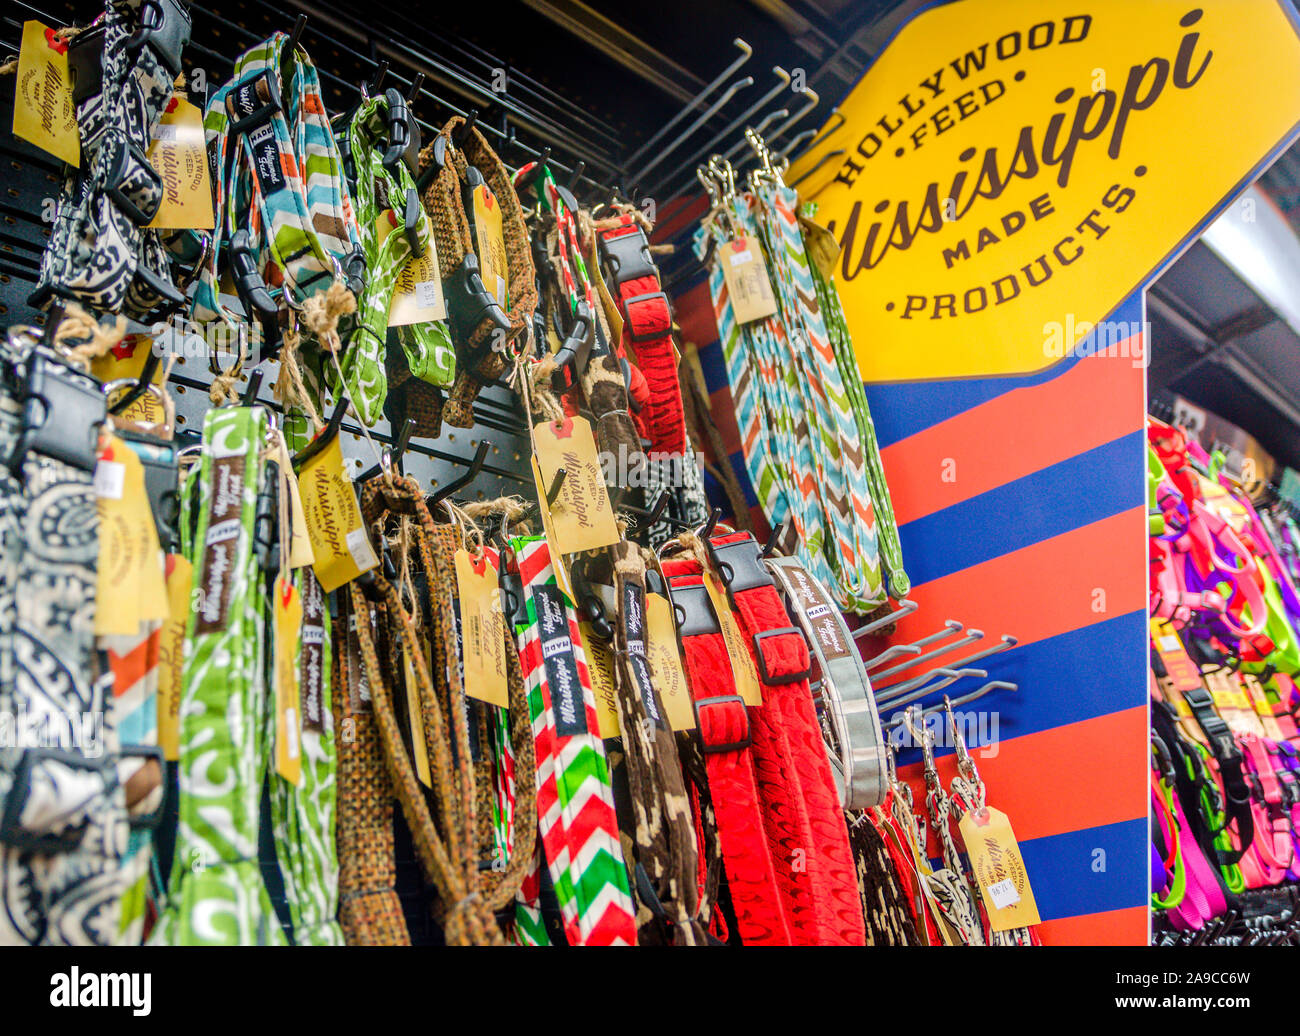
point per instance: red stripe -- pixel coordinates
(1042, 590)
(1022, 431)
(1096, 777)
(695, 316)
(678, 216)
(1127, 927)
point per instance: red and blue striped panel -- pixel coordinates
(1022, 510)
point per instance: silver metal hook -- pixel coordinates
(813, 101)
(745, 52)
(1005, 642)
(905, 697)
(728, 94)
(950, 627)
(905, 607)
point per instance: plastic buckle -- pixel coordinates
(566, 358)
(647, 336)
(628, 256)
(62, 411)
(12, 832)
(354, 271)
(513, 606)
(411, 222)
(252, 290)
(399, 130)
(148, 821)
(740, 565)
(164, 25)
(693, 611)
(119, 169)
(266, 540)
(171, 297)
(768, 678)
(245, 111)
(730, 746)
(86, 65)
(471, 300)
(158, 459)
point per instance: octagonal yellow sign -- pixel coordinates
(1009, 171)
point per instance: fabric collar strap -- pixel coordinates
(100, 253)
(370, 913)
(666, 856)
(63, 819)
(217, 895)
(283, 211)
(647, 326)
(857, 757)
(394, 230)
(575, 801)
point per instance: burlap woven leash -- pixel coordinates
(369, 910)
(447, 848)
(482, 335)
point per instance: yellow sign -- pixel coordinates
(1009, 171)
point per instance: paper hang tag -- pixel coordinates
(130, 583)
(491, 243)
(127, 360)
(338, 536)
(666, 663)
(558, 564)
(999, 869)
(417, 295)
(415, 719)
(301, 553)
(171, 655)
(748, 285)
(742, 662)
(581, 514)
(600, 667)
(823, 250)
(1169, 646)
(179, 153)
(482, 629)
(44, 114)
(288, 715)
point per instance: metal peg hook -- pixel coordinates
(952, 627)
(949, 628)
(905, 608)
(899, 698)
(1007, 641)
(713, 109)
(745, 51)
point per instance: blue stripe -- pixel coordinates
(1063, 869)
(905, 408)
(714, 366)
(1069, 678)
(1102, 482)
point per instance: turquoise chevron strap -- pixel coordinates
(837, 452)
(216, 895)
(394, 229)
(303, 815)
(284, 218)
(774, 433)
(832, 311)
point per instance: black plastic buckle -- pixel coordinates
(513, 606)
(411, 222)
(768, 678)
(149, 821)
(12, 832)
(354, 271)
(740, 565)
(62, 411)
(399, 131)
(647, 336)
(693, 611)
(86, 65)
(118, 170)
(165, 26)
(566, 358)
(628, 256)
(266, 538)
(171, 297)
(252, 290)
(158, 459)
(245, 111)
(471, 301)
(731, 746)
